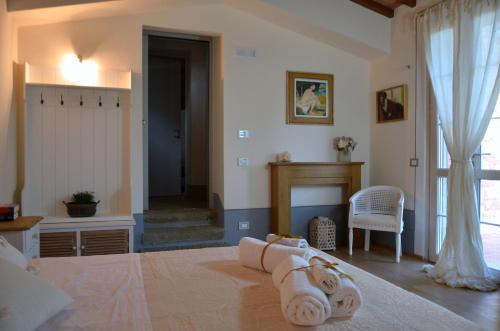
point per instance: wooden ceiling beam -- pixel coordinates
(409, 3)
(376, 7)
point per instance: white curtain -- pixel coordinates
(462, 46)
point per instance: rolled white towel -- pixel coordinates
(346, 301)
(302, 303)
(251, 251)
(325, 278)
(292, 242)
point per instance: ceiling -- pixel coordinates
(332, 22)
(385, 7)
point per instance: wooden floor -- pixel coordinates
(479, 307)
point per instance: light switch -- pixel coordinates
(244, 225)
(243, 134)
(243, 162)
(414, 163)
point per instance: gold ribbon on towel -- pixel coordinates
(287, 235)
(292, 270)
(281, 236)
(265, 249)
(324, 262)
(331, 265)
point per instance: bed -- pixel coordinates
(207, 289)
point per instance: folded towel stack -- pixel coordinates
(302, 302)
(258, 254)
(312, 289)
(287, 240)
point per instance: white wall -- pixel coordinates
(393, 144)
(8, 141)
(253, 95)
(262, 110)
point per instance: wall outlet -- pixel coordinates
(414, 163)
(243, 162)
(243, 134)
(244, 225)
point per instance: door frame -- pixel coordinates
(434, 174)
(148, 31)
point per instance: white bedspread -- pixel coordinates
(108, 291)
(208, 289)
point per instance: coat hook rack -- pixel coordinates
(118, 102)
(81, 100)
(62, 101)
(100, 102)
(41, 98)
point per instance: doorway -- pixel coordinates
(177, 125)
(177, 138)
(486, 163)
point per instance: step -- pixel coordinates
(172, 223)
(158, 236)
(171, 216)
(184, 245)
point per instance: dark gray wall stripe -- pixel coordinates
(407, 237)
(138, 231)
(260, 224)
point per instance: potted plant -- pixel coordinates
(82, 204)
(344, 146)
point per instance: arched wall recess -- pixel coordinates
(75, 137)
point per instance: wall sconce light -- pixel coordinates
(79, 71)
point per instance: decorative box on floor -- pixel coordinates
(322, 233)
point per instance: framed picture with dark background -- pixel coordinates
(392, 104)
(309, 98)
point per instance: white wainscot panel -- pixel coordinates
(74, 142)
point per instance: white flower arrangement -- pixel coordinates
(344, 144)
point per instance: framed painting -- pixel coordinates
(392, 104)
(309, 98)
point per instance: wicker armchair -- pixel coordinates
(377, 208)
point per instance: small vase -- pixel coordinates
(343, 156)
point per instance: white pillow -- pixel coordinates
(11, 254)
(27, 301)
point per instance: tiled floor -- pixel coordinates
(491, 245)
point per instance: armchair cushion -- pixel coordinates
(374, 221)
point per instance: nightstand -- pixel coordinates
(24, 234)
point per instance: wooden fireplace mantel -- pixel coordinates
(284, 175)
